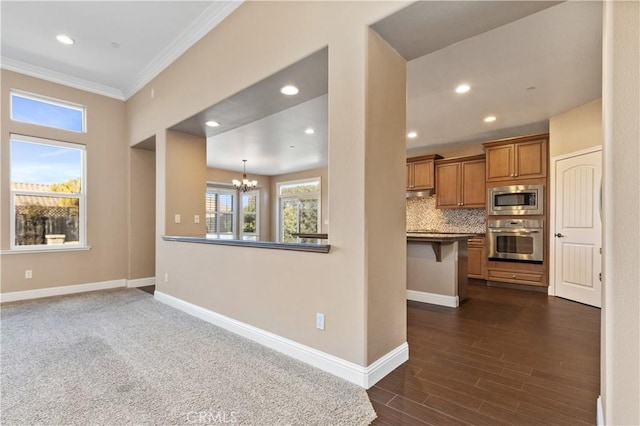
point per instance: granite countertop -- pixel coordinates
(441, 236)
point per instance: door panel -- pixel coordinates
(577, 248)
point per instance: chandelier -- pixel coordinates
(246, 184)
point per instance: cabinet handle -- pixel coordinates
(511, 175)
(513, 276)
(516, 175)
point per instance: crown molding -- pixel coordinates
(204, 23)
(60, 78)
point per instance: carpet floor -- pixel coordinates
(119, 357)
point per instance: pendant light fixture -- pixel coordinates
(246, 184)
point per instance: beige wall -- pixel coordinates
(264, 184)
(142, 214)
(280, 291)
(107, 200)
(186, 184)
(323, 174)
(577, 129)
(384, 194)
(621, 303)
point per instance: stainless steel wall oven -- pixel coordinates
(516, 240)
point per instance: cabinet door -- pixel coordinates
(409, 168)
(473, 186)
(500, 163)
(531, 160)
(423, 174)
(447, 185)
(475, 262)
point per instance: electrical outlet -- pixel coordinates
(196, 218)
(176, 218)
(320, 321)
(166, 277)
(28, 274)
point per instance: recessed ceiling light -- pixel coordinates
(463, 88)
(64, 39)
(490, 119)
(412, 135)
(212, 123)
(309, 131)
(531, 88)
(289, 90)
(115, 44)
(291, 146)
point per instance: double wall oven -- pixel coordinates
(516, 239)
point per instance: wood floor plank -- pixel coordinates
(424, 413)
(470, 416)
(508, 416)
(503, 357)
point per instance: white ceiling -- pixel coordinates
(276, 144)
(500, 48)
(557, 52)
(150, 35)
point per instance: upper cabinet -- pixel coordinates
(517, 158)
(420, 172)
(460, 183)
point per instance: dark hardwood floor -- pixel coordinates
(148, 289)
(504, 357)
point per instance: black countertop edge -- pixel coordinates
(314, 248)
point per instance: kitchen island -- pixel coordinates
(437, 267)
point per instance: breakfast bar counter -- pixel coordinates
(437, 267)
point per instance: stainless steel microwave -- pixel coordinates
(516, 200)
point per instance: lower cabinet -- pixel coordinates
(517, 277)
(476, 258)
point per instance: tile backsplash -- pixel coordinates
(422, 215)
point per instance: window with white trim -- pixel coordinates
(49, 112)
(221, 213)
(298, 210)
(47, 194)
(232, 215)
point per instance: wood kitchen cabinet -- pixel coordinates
(460, 183)
(476, 258)
(420, 172)
(517, 158)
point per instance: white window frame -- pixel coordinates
(241, 233)
(279, 197)
(82, 198)
(51, 101)
(225, 189)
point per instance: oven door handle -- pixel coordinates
(500, 231)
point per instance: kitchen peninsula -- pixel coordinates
(437, 267)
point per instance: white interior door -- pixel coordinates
(578, 228)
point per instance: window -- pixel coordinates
(47, 194)
(48, 112)
(222, 207)
(298, 210)
(249, 215)
(221, 213)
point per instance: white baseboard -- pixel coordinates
(599, 412)
(141, 282)
(433, 298)
(354, 373)
(59, 291)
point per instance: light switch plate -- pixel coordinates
(176, 218)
